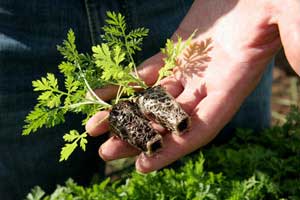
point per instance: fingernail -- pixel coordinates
(139, 164)
(102, 154)
(141, 173)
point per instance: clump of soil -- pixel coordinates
(130, 120)
(129, 124)
(158, 105)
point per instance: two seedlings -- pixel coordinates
(112, 63)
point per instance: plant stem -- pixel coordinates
(118, 94)
(132, 60)
(141, 83)
(60, 92)
(90, 89)
(82, 103)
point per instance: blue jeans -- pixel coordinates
(29, 33)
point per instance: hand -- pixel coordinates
(245, 36)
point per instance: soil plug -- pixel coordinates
(129, 124)
(157, 104)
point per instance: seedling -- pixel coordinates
(111, 63)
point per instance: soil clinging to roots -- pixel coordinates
(158, 105)
(129, 124)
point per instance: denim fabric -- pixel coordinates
(161, 17)
(255, 113)
(29, 33)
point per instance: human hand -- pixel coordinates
(245, 36)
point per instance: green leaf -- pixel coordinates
(45, 96)
(71, 37)
(71, 84)
(36, 194)
(54, 101)
(66, 68)
(48, 83)
(42, 117)
(172, 50)
(67, 150)
(116, 34)
(101, 52)
(35, 119)
(111, 66)
(83, 142)
(116, 19)
(52, 81)
(119, 56)
(68, 49)
(71, 136)
(138, 33)
(102, 55)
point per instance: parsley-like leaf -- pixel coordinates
(73, 137)
(172, 51)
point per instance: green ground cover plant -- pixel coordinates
(251, 165)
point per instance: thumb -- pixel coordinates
(289, 27)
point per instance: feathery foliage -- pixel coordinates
(251, 166)
(111, 61)
(172, 51)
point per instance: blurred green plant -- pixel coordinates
(250, 166)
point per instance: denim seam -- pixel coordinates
(91, 16)
(127, 15)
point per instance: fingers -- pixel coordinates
(114, 148)
(209, 116)
(175, 146)
(172, 86)
(106, 93)
(206, 120)
(97, 124)
(289, 27)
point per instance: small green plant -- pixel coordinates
(251, 166)
(112, 63)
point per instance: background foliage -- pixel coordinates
(251, 165)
